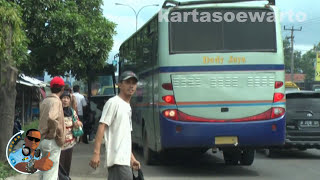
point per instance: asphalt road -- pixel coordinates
(285, 166)
(298, 165)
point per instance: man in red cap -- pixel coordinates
(52, 127)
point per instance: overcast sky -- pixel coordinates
(304, 40)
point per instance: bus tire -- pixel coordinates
(199, 151)
(231, 157)
(247, 157)
(148, 154)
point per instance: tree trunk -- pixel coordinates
(8, 77)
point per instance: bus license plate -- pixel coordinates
(307, 123)
(226, 140)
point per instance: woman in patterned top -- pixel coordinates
(70, 140)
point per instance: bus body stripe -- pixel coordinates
(213, 68)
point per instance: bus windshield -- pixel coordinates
(255, 33)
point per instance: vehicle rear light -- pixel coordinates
(171, 114)
(274, 127)
(277, 97)
(277, 112)
(169, 99)
(278, 84)
(167, 86)
(178, 129)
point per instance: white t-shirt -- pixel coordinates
(117, 115)
(81, 101)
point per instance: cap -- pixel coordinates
(57, 82)
(65, 93)
(128, 74)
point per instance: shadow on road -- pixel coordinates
(294, 154)
(206, 165)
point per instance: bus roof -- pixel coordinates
(167, 3)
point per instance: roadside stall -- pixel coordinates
(30, 92)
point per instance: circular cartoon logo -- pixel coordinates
(23, 153)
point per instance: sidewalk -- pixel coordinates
(80, 169)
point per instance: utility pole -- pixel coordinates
(292, 52)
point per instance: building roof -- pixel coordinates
(30, 81)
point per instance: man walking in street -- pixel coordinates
(81, 104)
(116, 126)
(52, 127)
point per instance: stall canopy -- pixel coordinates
(30, 81)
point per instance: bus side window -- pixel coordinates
(154, 36)
(129, 61)
(139, 48)
(139, 51)
(147, 47)
(132, 52)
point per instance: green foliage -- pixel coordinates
(287, 57)
(66, 35)
(6, 170)
(302, 63)
(287, 54)
(308, 61)
(31, 125)
(10, 19)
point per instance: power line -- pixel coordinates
(308, 22)
(292, 53)
(312, 19)
(311, 27)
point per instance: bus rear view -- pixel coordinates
(225, 69)
(211, 75)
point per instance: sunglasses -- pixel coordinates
(33, 138)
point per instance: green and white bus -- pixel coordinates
(211, 76)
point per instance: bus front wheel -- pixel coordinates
(148, 154)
